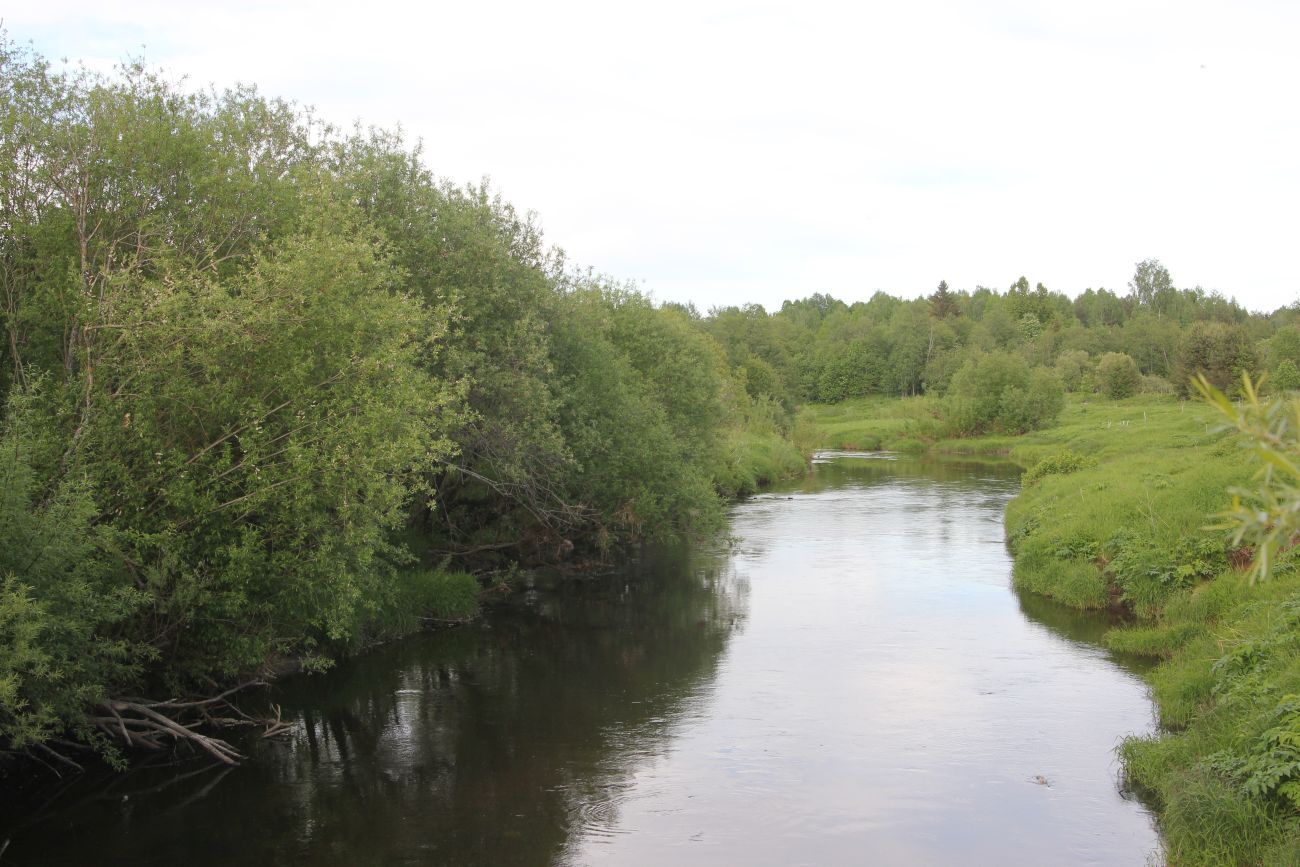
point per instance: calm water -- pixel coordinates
(848, 680)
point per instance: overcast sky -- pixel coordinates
(733, 152)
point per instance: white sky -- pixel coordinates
(729, 152)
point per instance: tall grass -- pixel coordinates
(759, 449)
(872, 423)
(421, 595)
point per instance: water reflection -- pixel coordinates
(851, 681)
(492, 744)
(1084, 631)
(889, 701)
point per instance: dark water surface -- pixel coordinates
(849, 680)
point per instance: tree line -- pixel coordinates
(1020, 346)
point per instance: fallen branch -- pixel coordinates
(139, 723)
(150, 726)
(57, 756)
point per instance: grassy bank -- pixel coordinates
(1113, 515)
(754, 460)
(761, 447)
(871, 423)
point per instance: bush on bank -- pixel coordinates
(1000, 393)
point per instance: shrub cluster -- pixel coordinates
(1058, 463)
(1118, 375)
(1000, 393)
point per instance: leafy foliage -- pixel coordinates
(1075, 369)
(63, 605)
(1058, 463)
(1286, 376)
(1220, 353)
(1266, 514)
(1118, 375)
(268, 382)
(1148, 571)
(998, 392)
(1273, 768)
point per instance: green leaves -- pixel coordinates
(1270, 769)
(278, 423)
(262, 377)
(1266, 515)
(1118, 375)
(1062, 462)
(641, 406)
(999, 392)
(1219, 353)
(63, 599)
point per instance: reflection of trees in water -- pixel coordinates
(488, 747)
(984, 476)
(488, 744)
(1080, 627)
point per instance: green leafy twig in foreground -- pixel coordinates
(1267, 515)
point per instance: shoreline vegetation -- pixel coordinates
(274, 391)
(1116, 513)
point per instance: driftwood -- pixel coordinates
(137, 723)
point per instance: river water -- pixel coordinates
(848, 679)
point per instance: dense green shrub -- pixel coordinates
(270, 375)
(1284, 346)
(1286, 376)
(633, 470)
(1219, 351)
(1118, 375)
(63, 604)
(999, 392)
(855, 370)
(1152, 384)
(1148, 570)
(1075, 369)
(1057, 463)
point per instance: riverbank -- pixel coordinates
(752, 458)
(1113, 515)
(752, 454)
(702, 703)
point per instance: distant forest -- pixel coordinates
(824, 350)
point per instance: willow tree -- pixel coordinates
(220, 398)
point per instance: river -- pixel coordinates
(847, 678)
